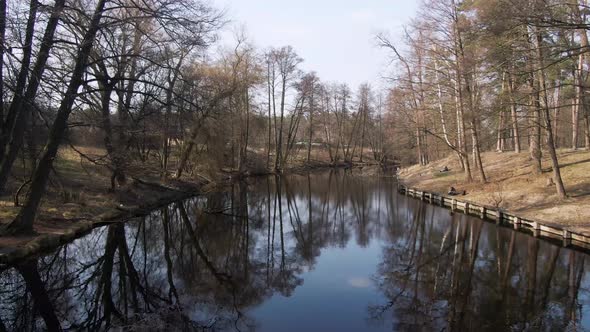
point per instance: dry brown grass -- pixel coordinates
(79, 190)
(513, 186)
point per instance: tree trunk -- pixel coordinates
(550, 144)
(583, 60)
(575, 120)
(36, 287)
(245, 133)
(278, 165)
(477, 153)
(194, 132)
(310, 124)
(535, 124)
(21, 79)
(500, 132)
(172, 78)
(556, 108)
(106, 91)
(363, 133)
(2, 40)
(23, 223)
(269, 115)
(587, 126)
(25, 104)
(514, 115)
(460, 137)
(459, 61)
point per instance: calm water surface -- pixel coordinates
(327, 252)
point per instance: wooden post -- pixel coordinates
(567, 238)
(517, 222)
(453, 205)
(536, 229)
(499, 217)
(466, 209)
(482, 212)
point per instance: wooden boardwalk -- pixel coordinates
(501, 218)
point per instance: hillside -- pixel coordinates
(512, 186)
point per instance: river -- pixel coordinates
(332, 251)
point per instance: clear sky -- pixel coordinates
(335, 38)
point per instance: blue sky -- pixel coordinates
(335, 38)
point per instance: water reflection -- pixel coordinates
(319, 252)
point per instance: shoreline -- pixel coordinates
(52, 233)
(67, 230)
(513, 187)
(552, 233)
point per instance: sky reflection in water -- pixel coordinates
(324, 252)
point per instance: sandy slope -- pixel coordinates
(512, 186)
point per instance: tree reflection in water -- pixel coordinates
(467, 275)
(206, 263)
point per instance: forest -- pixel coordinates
(137, 89)
(161, 170)
(506, 75)
(144, 89)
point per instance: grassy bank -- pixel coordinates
(79, 196)
(513, 186)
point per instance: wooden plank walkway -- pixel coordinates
(500, 217)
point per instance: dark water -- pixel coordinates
(329, 252)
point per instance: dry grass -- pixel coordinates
(513, 186)
(76, 189)
(79, 190)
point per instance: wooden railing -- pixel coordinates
(500, 217)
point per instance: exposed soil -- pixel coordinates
(79, 198)
(513, 186)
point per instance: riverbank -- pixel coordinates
(79, 198)
(513, 187)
